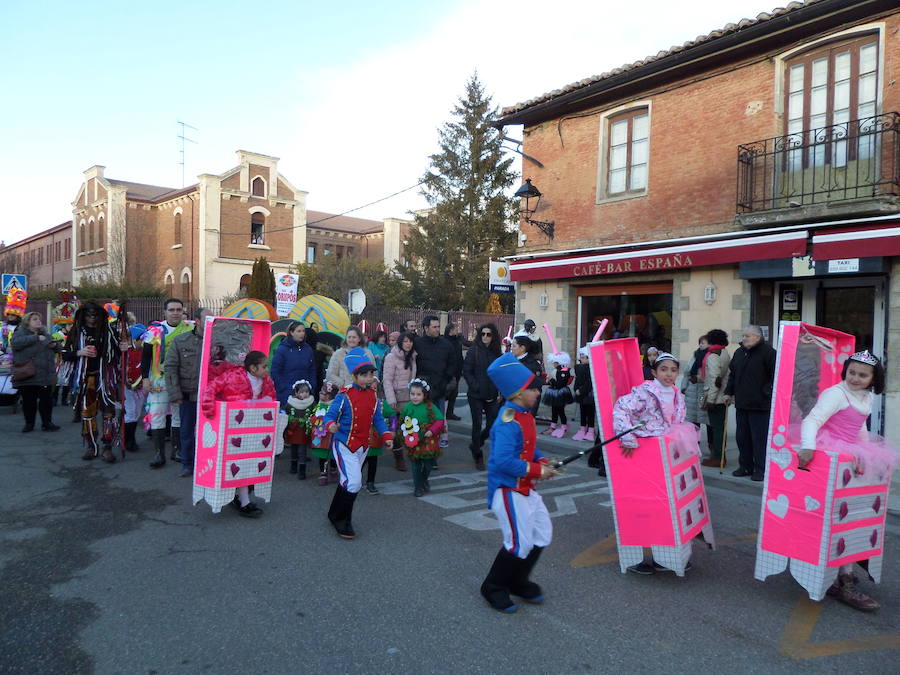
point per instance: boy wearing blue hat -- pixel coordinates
(514, 466)
(353, 413)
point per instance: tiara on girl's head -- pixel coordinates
(664, 356)
(299, 382)
(865, 357)
(418, 383)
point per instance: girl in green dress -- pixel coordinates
(420, 430)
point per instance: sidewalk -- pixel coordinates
(563, 447)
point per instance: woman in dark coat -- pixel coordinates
(31, 341)
(294, 360)
(482, 394)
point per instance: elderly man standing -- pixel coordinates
(750, 381)
(182, 373)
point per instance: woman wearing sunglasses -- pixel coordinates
(482, 394)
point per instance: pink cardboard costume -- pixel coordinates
(659, 500)
(236, 441)
(830, 515)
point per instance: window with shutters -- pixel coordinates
(624, 154)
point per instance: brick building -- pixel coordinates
(45, 257)
(673, 217)
(200, 241)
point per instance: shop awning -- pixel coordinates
(857, 243)
(660, 258)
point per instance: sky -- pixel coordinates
(349, 95)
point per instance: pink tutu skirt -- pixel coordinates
(685, 437)
(875, 455)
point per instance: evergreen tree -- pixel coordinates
(471, 219)
(262, 282)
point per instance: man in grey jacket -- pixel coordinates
(182, 372)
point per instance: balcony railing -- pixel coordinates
(859, 159)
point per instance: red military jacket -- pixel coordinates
(356, 411)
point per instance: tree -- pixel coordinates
(334, 277)
(471, 219)
(262, 282)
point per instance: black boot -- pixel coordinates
(294, 455)
(130, 442)
(301, 471)
(495, 588)
(159, 443)
(176, 444)
(341, 512)
(522, 586)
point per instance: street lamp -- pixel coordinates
(529, 192)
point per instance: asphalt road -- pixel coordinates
(110, 569)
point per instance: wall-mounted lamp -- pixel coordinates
(529, 192)
(709, 293)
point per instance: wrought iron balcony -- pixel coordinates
(859, 159)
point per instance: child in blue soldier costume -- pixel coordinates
(514, 466)
(353, 413)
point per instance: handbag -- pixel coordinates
(23, 371)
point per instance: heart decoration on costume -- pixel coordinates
(234, 469)
(782, 458)
(209, 436)
(811, 504)
(675, 453)
(261, 466)
(682, 484)
(779, 506)
(846, 477)
(876, 505)
(267, 415)
(873, 539)
(688, 519)
(694, 472)
(788, 475)
(239, 417)
(236, 441)
(266, 441)
(843, 511)
(700, 507)
(841, 546)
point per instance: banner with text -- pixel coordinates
(285, 293)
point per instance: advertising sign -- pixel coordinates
(499, 277)
(285, 293)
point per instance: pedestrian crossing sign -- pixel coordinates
(12, 282)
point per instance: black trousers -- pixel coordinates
(37, 399)
(752, 427)
(588, 414)
(480, 408)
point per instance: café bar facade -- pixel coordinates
(670, 292)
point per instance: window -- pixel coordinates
(81, 238)
(68, 249)
(177, 227)
(349, 251)
(257, 224)
(57, 253)
(185, 286)
(326, 251)
(258, 187)
(101, 228)
(824, 90)
(628, 153)
(244, 284)
(311, 253)
(40, 256)
(339, 252)
(91, 236)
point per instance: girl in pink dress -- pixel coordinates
(838, 423)
(659, 404)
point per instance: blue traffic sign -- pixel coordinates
(13, 281)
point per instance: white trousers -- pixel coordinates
(524, 520)
(349, 465)
(160, 408)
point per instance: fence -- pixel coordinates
(146, 310)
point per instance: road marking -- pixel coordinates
(795, 641)
(604, 551)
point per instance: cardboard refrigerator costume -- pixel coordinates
(238, 444)
(815, 520)
(659, 500)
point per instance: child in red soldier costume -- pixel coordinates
(134, 392)
(350, 418)
(233, 383)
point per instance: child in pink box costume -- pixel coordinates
(827, 484)
(659, 501)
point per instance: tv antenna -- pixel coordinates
(184, 139)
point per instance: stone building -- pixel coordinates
(45, 258)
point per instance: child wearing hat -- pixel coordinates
(134, 391)
(350, 418)
(514, 466)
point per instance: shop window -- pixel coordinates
(258, 187)
(257, 226)
(642, 311)
(627, 154)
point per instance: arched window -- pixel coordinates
(101, 226)
(185, 285)
(257, 225)
(177, 227)
(91, 234)
(258, 187)
(244, 284)
(81, 237)
(170, 283)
